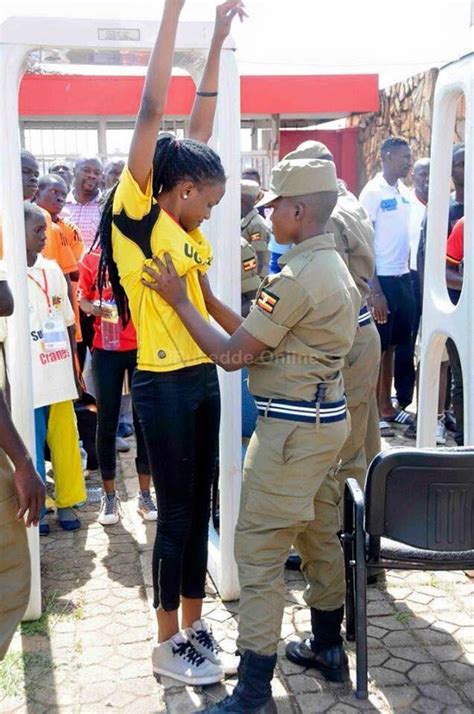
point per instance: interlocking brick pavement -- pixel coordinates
(90, 652)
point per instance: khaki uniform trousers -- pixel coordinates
(289, 496)
(14, 559)
(373, 444)
(360, 381)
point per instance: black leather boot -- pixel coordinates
(253, 692)
(324, 650)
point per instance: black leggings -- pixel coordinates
(108, 372)
(179, 413)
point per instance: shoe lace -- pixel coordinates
(148, 501)
(111, 505)
(207, 640)
(187, 651)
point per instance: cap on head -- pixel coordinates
(311, 150)
(249, 188)
(300, 177)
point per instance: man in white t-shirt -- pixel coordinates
(387, 201)
(405, 354)
(52, 330)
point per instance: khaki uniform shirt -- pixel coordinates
(254, 229)
(354, 236)
(250, 281)
(307, 315)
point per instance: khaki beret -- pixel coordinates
(300, 177)
(311, 150)
(249, 188)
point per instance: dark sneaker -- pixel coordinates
(450, 422)
(332, 661)
(231, 705)
(125, 430)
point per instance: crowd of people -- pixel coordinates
(330, 314)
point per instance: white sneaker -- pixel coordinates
(200, 635)
(440, 433)
(178, 659)
(122, 445)
(109, 509)
(146, 506)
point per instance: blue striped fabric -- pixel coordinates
(364, 316)
(301, 411)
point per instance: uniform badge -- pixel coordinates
(267, 301)
(249, 264)
(255, 236)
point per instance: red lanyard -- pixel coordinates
(44, 289)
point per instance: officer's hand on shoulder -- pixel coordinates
(207, 293)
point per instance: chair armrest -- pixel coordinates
(356, 492)
(353, 501)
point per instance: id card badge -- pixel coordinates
(55, 335)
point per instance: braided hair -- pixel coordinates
(174, 160)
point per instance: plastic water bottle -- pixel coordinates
(110, 328)
(84, 457)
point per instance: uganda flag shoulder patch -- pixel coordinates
(267, 301)
(249, 264)
(255, 236)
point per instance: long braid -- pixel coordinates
(108, 272)
(174, 160)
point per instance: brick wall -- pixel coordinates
(406, 110)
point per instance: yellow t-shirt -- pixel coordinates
(140, 230)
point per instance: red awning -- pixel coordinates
(80, 95)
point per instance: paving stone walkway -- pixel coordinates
(90, 652)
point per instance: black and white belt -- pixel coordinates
(309, 412)
(364, 316)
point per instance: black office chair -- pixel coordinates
(417, 514)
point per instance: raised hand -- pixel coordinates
(225, 13)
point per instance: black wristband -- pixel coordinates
(206, 94)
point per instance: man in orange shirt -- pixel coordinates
(51, 196)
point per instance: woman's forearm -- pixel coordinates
(204, 107)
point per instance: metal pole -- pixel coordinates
(224, 233)
(12, 61)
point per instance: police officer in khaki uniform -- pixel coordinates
(249, 279)
(295, 339)
(252, 226)
(354, 235)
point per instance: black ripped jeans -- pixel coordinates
(179, 413)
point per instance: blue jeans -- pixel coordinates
(179, 413)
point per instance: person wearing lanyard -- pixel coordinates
(54, 379)
(168, 188)
(114, 354)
